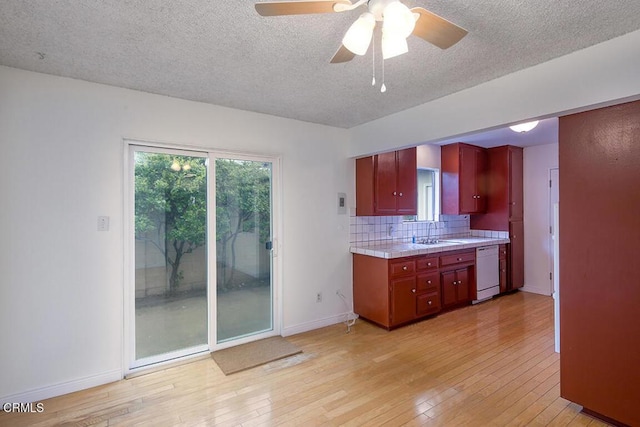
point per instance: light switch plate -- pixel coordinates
(342, 204)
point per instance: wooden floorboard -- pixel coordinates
(492, 364)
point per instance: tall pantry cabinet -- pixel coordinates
(505, 206)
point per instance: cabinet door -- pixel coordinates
(516, 256)
(473, 165)
(503, 275)
(385, 183)
(468, 182)
(463, 286)
(407, 182)
(516, 199)
(449, 282)
(365, 186)
(403, 300)
(481, 160)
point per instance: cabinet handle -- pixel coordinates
(455, 283)
(429, 302)
(459, 259)
(400, 194)
(404, 267)
(394, 193)
(413, 290)
(428, 282)
(428, 264)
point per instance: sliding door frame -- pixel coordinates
(128, 337)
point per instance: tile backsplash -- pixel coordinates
(383, 229)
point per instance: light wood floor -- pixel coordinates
(490, 364)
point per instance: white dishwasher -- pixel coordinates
(487, 273)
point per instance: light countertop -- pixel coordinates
(386, 249)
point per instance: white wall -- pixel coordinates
(61, 282)
(428, 156)
(599, 75)
(538, 160)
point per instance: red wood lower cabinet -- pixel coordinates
(502, 263)
(403, 300)
(394, 292)
(516, 257)
(455, 287)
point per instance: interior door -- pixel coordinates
(554, 197)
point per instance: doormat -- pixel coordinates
(246, 356)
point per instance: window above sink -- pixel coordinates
(428, 190)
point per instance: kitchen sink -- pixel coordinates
(436, 242)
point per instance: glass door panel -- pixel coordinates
(171, 307)
(243, 248)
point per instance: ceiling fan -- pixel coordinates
(398, 23)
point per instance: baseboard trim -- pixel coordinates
(39, 394)
(536, 290)
(315, 324)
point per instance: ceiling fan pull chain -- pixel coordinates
(373, 60)
(383, 88)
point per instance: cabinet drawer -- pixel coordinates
(428, 303)
(402, 267)
(427, 263)
(502, 252)
(428, 282)
(465, 257)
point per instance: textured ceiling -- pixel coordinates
(222, 52)
(546, 132)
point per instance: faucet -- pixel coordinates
(429, 239)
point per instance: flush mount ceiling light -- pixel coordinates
(398, 23)
(524, 127)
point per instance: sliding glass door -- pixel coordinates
(171, 268)
(243, 248)
(198, 220)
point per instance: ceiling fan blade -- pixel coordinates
(342, 55)
(277, 8)
(437, 30)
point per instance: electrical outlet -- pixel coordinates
(319, 297)
(103, 223)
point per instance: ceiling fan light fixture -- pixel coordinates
(358, 37)
(393, 45)
(524, 127)
(398, 19)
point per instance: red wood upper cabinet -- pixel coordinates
(504, 189)
(463, 179)
(386, 184)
